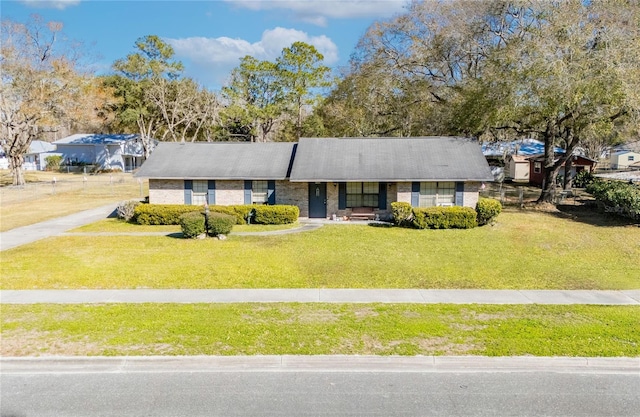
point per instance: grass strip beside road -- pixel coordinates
(525, 250)
(315, 329)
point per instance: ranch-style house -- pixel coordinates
(324, 177)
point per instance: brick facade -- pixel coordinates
(231, 192)
(166, 191)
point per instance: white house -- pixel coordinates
(106, 152)
(34, 159)
(623, 159)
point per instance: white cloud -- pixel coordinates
(216, 57)
(50, 4)
(318, 11)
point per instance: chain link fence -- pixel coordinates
(102, 185)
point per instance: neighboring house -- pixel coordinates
(105, 152)
(34, 159)
(324, 177)
(578, 163)
(624, 159)
(517, 168)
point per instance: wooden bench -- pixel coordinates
(362, 213)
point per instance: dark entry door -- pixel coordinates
(318, 200)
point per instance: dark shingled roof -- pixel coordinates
(219, 160)
(390, 159)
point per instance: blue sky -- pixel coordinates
(210, 37)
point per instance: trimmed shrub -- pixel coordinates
(402, 214)
(220, 224)
(53, 162)
(192, 224)
(617, 197)
(162, 214)
(487, 210)
(127, 209)
(444, 218)
(240, 212)
(278, 214)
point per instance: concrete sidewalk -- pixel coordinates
(408, 296)
(28, 234)
(314, 363)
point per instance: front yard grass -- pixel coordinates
(525, 250)
(318, 329)
(35, 202)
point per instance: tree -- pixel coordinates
(153, 60)
(301, 72)
(41, 87)
(562, 71)
(255, 97)
(188, 111)
(574, 77)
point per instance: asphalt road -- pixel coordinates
(319, 387)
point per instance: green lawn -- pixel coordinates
(314, 329)
(525, 250)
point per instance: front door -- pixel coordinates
(318, 200)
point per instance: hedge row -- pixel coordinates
(157, 214)
(277, 214)
(618, 197)
(445, 217)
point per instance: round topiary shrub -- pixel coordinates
(487, 210)
(220, 224)
(192, 224)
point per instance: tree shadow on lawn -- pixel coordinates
(589, 213)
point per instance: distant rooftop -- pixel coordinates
(96, 139)
(522, 147)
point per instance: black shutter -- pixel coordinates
(211, 192)
(415, 194)
(342, 196)
(188, 186)
(247, 191)
(382, 196)
(271, 192)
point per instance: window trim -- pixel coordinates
(537, 167)
(438, 198)
(365, 199)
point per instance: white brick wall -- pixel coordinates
(229, 193)
(166, 191)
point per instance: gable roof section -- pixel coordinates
(390, 159)
(96, 139)
(219, 160)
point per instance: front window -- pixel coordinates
(199, 193)
(537, 167)
(259, 191)
(362, 194)
(437, 194)
(630, 158)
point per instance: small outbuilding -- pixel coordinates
(575, 165)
